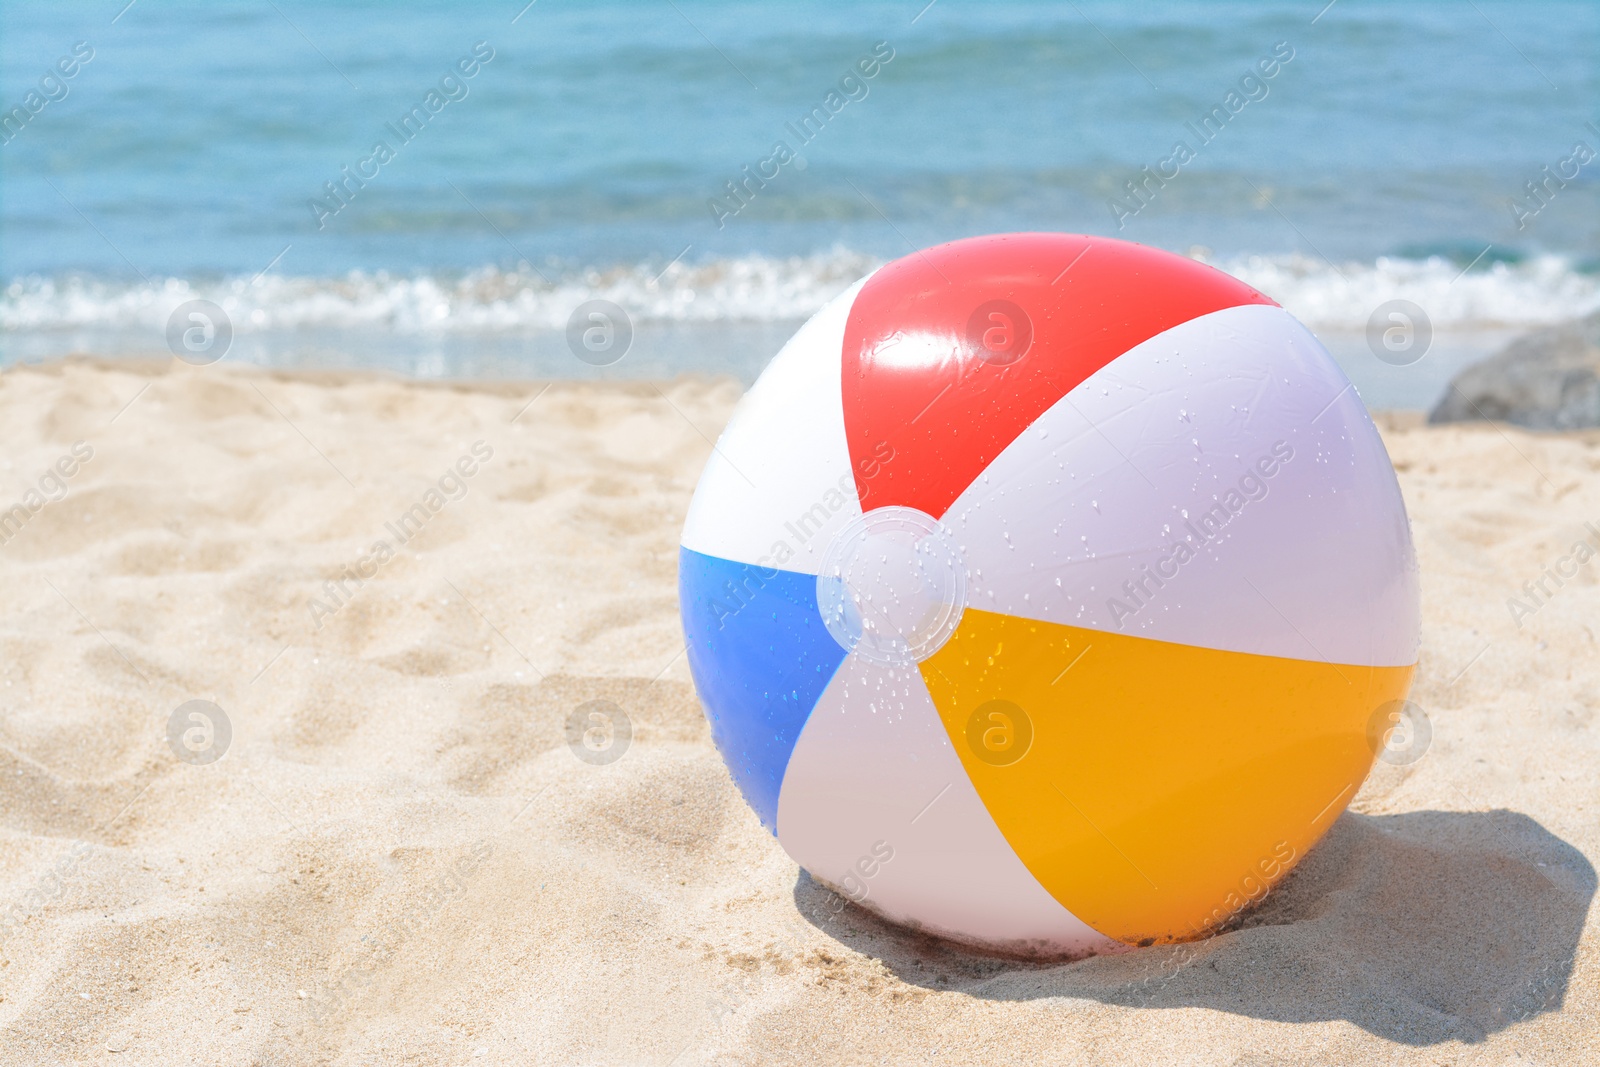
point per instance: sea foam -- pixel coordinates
(751, 288)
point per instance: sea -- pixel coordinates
(434, 189)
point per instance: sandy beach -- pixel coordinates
(401, 858)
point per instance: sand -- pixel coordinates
(400, 859)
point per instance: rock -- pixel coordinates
(1547, 380)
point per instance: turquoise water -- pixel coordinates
(592, 145)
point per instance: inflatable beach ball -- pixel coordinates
(1042, 590)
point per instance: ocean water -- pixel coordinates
(433, 188)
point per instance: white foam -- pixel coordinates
(1534, 292)
(750, 288)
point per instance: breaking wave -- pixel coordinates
(751, 288)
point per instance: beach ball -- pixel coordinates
(1043, 591)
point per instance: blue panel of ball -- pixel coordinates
(760, 658)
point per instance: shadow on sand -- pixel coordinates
(1420, 928)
